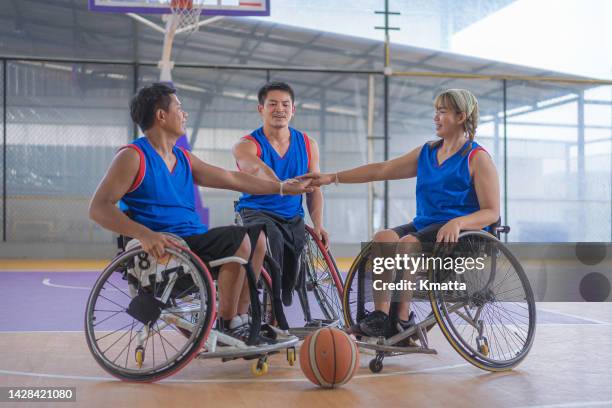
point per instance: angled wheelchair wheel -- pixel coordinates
(490, 321)
(319, 285)
(358, 300)
(146, 320)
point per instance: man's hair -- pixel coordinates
(147, 101)
(274, 86)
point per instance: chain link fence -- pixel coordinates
(64, 122)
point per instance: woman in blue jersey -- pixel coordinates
(457, 189)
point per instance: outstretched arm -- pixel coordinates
(207, 175)
(399, 168)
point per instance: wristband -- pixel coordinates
(336, 180)
(281, 188)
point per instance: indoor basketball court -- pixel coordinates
(376, 121)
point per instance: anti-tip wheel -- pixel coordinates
(139, 355)
(291, 356)
(376, 365)
(259, 368)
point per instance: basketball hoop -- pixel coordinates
(186, 14)
(180, 16)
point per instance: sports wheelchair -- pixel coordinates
(318, 286)
(491, 323)
(146, 318)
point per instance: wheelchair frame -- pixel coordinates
(134, 264)
(310, 283)
(384, 347)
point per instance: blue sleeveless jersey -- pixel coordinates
(160, 199)
(294, 163)
(446, 191)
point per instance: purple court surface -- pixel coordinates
(55, 301)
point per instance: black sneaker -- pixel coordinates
(239, 332)
(375, 324)
(402, 325)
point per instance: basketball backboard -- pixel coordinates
(210, 7)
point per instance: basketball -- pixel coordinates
(329, 357)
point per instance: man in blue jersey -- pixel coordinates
(277, 152)
(154, 179)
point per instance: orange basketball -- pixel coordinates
(329, 357)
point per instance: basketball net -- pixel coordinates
(184, 19)
(186, 14)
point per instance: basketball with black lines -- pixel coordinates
(329, 357)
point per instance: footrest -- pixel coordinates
(313, 326)
(394, 350)
(236, 352)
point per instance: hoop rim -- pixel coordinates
(183, 5)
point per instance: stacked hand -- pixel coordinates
(297, 187)
(319, 179)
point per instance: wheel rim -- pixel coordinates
(499, 298)
(114, 336)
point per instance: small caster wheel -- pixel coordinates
(291, 356)
(483, 345)
(139, 356)
(259, 368)
(376, 365)
(484, 350)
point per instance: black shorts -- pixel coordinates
(221, 242)
(427, 234)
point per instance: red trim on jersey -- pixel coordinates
(186, 153)
(473, 152)
(142, 166)
(307, 142)
(252, 139)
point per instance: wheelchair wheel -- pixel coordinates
(146, 320)
(319, 275)
(490, 322)
(358, 300)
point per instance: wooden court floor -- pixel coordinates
(570, 365)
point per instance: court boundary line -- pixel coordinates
(47, 282)
(595, 321)
(230, 380)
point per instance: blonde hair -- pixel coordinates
(461, 101)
